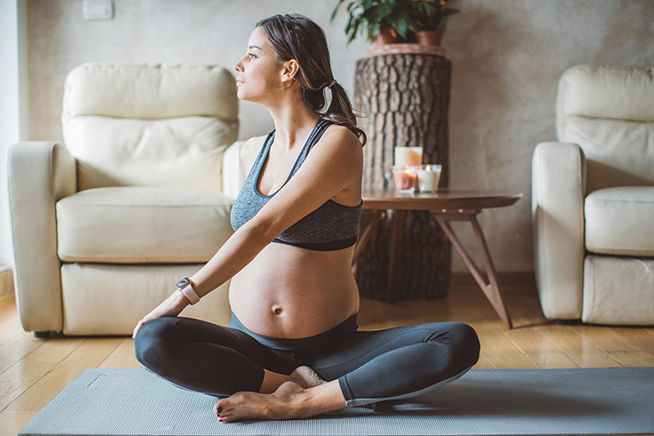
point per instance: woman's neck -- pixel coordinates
(293, 121)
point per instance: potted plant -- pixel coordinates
(383, 21)
(429, 20)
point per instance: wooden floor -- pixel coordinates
(33, 371)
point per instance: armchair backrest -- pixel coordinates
(149, 124)
(609, 112)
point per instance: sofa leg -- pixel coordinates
(42, 335)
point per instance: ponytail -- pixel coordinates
(340, 111)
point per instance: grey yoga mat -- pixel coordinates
(553, 401)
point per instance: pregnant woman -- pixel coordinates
(293, 349)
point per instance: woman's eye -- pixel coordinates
(251, 56)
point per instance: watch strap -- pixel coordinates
(185, 286)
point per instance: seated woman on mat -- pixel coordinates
(292, 349)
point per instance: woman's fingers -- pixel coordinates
(169, 307)
(137, 328)
(141, 323)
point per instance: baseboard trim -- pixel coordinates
(6, 281)
(506, 278)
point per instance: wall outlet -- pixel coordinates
(98, 9)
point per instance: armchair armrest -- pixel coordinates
(39, 174)
(557, 212)
(233, 176)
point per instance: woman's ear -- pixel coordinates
(289, 71)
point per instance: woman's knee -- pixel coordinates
(460, 341)
(466, 343)
(152, 339)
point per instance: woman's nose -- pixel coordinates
(238, 67)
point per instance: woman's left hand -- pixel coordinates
(171, 306)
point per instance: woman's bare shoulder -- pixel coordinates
(342, 150)
(341, 130)
(343, 136)
(342, 141)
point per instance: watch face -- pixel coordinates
(185, 281)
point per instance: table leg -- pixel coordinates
(490, 288)
(397, 228)
(369, 219)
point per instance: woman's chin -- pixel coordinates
(246, 97)
(241, 95)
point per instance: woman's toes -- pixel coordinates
(226, 418)
(218, 407)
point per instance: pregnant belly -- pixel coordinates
(290, 292)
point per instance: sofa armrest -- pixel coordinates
(233, 176)
(39, 174)
(557, 211)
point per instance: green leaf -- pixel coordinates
(340, 2)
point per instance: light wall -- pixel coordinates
(507, 56)
(13, 110)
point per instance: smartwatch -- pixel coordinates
(186, 287)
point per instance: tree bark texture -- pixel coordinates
(403, 100)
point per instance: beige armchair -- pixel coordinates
(593, 199)
(137, 196)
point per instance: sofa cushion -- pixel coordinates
(109, 299)
(620, 221)
(142, 225)
(608, 111)
(618, 290)
(141, 125)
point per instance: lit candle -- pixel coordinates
(404, 178)
(408, 156)
(428, 177)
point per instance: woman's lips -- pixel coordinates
(239, 82)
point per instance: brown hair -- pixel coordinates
(296, 37)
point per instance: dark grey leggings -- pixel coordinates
(370, 366)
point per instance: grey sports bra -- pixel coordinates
(332, 226)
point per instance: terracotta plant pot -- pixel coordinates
(429, 37)
(386, 36)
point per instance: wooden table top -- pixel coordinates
(442, 199)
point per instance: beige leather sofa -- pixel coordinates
(593, 199)
(137, 196)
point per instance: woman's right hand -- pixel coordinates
(171, 306)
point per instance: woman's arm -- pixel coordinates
(233, 255)
(334, 164)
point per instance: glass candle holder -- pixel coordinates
(428, 177)
(404, 178)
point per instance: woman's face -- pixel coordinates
(259, 73)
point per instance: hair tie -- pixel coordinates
(333, 82)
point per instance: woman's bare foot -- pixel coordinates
(307, 377)
(289, 401)
(284, 403)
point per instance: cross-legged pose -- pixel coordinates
(293, 348)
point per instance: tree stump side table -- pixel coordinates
(403, 100)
